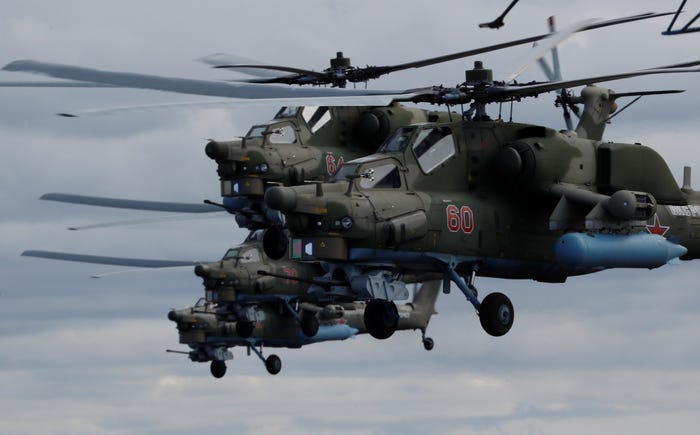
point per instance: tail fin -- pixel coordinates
(424, 299)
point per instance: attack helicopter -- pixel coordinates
(241, 282)
(209, 337)
(494, 198)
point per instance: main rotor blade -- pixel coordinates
(380, 70)
(181, 85)
(161, 219)
(275, 68)
(71, 84)
(499, 94)
(550, 42)
(172, 207)
(113, 261)
(218, 60)
(369, 100)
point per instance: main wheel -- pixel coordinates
(218, 369)
(428, 343)
(496, 314)
(381, 318)
(309, 324)
(244, 328)
(273, 364)
(275, 242)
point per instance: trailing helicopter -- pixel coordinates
(209, 337)
(243, 280)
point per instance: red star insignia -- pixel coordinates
(657, 228)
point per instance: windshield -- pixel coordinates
(345, 170)
(231, 254)
(250, 256)
(384, 176)
(287, 112)
(433, 146)
(256, 131)
(398, 141)
(277, 133)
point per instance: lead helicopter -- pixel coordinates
(483, 197)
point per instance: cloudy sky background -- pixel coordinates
(617, 352)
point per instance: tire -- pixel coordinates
(428, 344)
(218, 369)
(273, 364)
(381, 318)
(496, 314)
(275, 242)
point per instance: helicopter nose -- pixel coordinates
(216, 150)
(281, 198)
(174, 316)
(202, 270)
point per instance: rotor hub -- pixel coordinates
(479, 75)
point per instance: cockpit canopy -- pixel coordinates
(431, 145)
(282, 130)
(314, 116)
(243, 255)
(372, 172)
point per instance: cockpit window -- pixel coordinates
(287, 112)
(385, 176)
(277, 133)
(433, 146)
(250, 256)
(256, 131)
(316, 117)
(398, 141)
(284, 134)
(345, 170)
(231, 254)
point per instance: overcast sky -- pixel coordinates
(616, 352)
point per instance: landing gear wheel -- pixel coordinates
(244, 328)
(496, 314)
(381, 318)
(275, 242)
(309, 324)
(428, 343)
(218, 369)
(273, 364)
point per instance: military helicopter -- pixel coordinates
(238, 284)
(302, 143)
(209, 337)
(492, 198)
